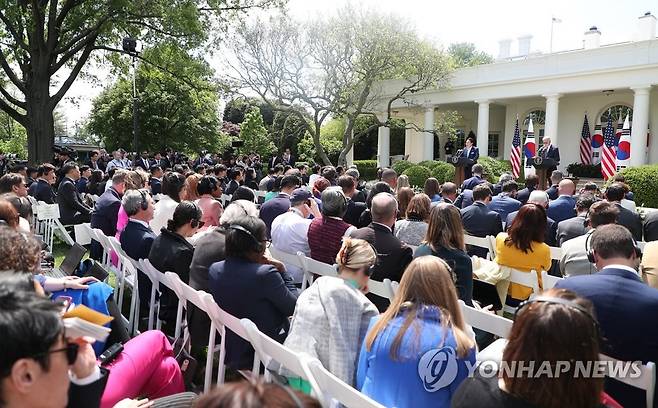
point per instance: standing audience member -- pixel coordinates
(403, 181)
(432, 189)
(568, 324)
(479, 221)
(393, 255)
(106, 211)
(540, 198)
(403, 196)
(325, 233)
(413, 227)
(390, 177)
(173, 190)
(531, 183)
(249, 285)
(564, 206)
(280, 203)
(71, 208)
(615, 193)
(354, 208)
(622, 303)
(523, 247)
(556, 178)
(505, 203)
(574, 259)
(476, 179)
(42, 190)
(423, 326)
(445, 239)
(576, 226)
(334, 332)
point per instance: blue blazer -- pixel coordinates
(474, 154)
(562, 208)
(464, 199)
(254, 291)
(106, 212)
(156, 186)
(273, 208)
(136, 240)
(626, 309)
(469, 184)
(479, 221)
(504, 204)
(42, 191)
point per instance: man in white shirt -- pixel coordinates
(117, 162)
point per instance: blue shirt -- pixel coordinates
(419, 379)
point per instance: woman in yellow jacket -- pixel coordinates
(523, 247)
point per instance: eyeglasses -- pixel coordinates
(71, 350)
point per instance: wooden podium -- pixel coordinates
(460, 163)
(542, 166)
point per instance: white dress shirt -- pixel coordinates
(289, 234)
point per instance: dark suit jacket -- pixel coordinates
(359, 196)
(81, 185)
(256, 292)
(630, 220)
(353, 213)
(523, 195)
(626, 309)
(503, 205)
(552, 192)
(651, 226)
(474, 154)
(551, 226)
(136, 240)
(464, 199)
(562, 208)
(144, 164)
(156, 186)
(42, 191)
(469, 184)
(273, 208)
(87, 396)
(479, 221)
(393, 256)
(231, 187)
(552, 153)
(69, 201)
(571, 228)
(106, 212)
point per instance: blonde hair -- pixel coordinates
(403, 181)
(134, 180)
(426, 282)
(355, 254)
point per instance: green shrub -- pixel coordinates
(417, 175)
(443, 172)
(367, 169)
(428, 163)
(585, 170)
(493, 168)
(401, 165)
(643, 181)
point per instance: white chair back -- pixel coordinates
(128, 271)
(492, 245)
(153, 274)
(549, 281)
(319, 268)
(172, 281)
(481, 242)
(333, 389)
(296, 260)
(489, 322)
(528, 279)
(645, 381)
(383, 289)
(82, 233)
(556, 253)
(393, 285)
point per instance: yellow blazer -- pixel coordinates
(537, 258)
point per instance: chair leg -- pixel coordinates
(221, 368)
(209, 355)
(151, 308)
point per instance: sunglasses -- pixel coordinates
(71, 350)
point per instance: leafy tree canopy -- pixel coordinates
(466, 55)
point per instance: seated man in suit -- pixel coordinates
(106, 211)
(137, 238)
(42, 189)
(479, 221)
(498, 187)
(574, 251)
(531, 183)
(354, 209)
(81, 184)
(651, 226)
(280, 203)
(393, 256)
(448, 193)
(564, 206)
(505, 203)
(548, 151)
(556, 177)
(540, 198)
(575, 227)
(629, 219)
(143, 162)
(71, 208)
(625, 306)
(155, 182)
(470, 151)
(13, 183)
(470, 183)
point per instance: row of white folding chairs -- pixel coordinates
(502, 327)
(46, 222)
(489, 243)
(310, 266)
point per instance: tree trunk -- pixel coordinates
(40, 122)
(318, 147)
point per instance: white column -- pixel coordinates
(483, 127)
(428, 142)
(383, 146)
(551, 121)
(349, 157)
(640, 123)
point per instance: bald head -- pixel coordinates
(384, 209)
(566, 187)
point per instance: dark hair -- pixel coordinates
(235, 172)
(245, 394)
(207, 185)
(346, 183)
(242, 244)
(8, 214)
(172, 184)
(67, 167)
(379, 187)
(278, 168)
(602, 213)
(185, 212)
(613, 241)
(93, 153)
(155, 168)
(432, 187)
(316, 168)
(531, 180)
(585, 201)
(84, 168)
(9, 180)
(290, 181)
(573, 336)
(472, 139)
(510, 186)
(528, 226)
(481, 192)
(21, 204)
(45, 169)
(243, 193)
(615, 192)
(329, 172)
(96, 176)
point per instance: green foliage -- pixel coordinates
(466, 55)
(443, 172)
(13, 137)
(254, 134)
(585, 170)
(446, 123)
(306, 149)
(367, 169)
(417, 175)
(643, 181)
(401, 165)
(493, 168)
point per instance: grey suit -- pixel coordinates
(574, 256)
(571, 228)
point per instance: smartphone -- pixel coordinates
(111, 353)
(67, 302)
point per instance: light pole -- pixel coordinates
(134, 47)
(553, 21)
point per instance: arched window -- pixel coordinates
(538, 118)
(617, 113)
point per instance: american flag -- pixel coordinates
(515, 155)
(585, 144)
(608, 163)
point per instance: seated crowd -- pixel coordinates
(217, 224)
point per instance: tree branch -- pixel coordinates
(12, 99)
(54, 100)
(22, 119)
(12, 30)
(11, 74)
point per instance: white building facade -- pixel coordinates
(556, 90)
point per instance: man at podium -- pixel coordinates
(470, 151)
(548, 151)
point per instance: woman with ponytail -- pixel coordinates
(418, 352)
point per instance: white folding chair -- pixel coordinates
(393, 285)
(319, 268)
(100, 237)
(154, 275)
(492, 245)
(170, 280)
(128, 279)
(481, 242)
(645, 381)
(333, 389)
(528, 279)
(225, 199)
(556, 253)
(549, 281)
(296, 260)
(382, 289)
(489, 322)
(269, 350)
(82, 233)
